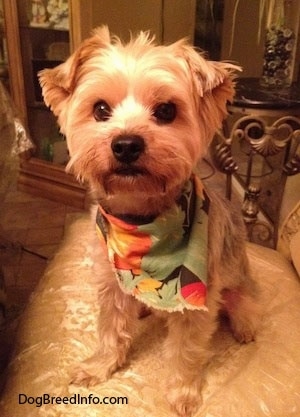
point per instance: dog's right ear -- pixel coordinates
(58, 83)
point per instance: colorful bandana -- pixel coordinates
(163, 263)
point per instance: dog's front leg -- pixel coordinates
(118, 314)
(187, 349)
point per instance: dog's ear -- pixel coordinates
(58, 83)
(212, 83)
(216, 88)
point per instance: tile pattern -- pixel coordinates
(33, 224)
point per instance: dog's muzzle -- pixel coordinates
(127, 148)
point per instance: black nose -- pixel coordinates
(127, 148)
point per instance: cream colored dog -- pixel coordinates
(138, 117)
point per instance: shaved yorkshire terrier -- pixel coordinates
(138, 117)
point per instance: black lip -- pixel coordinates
(129, 171)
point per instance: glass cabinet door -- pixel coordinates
(4, 75)
(208, 27)
(44, 43)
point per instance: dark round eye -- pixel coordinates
(165, 112)
(102, 111)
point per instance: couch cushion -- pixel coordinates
(59, 329)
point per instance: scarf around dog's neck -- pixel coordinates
(163, 263)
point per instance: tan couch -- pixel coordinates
(58, 330)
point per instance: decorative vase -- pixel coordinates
(58, 11)
(279, 50)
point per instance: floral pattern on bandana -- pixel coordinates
(163, 263)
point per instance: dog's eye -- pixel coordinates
(165, 112)
(102, 111)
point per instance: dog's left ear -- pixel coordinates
(212, 83)
(216, 89)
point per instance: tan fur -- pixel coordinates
(133, 79)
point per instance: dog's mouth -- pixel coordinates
(132, 179)
(129, 171)
(124, 177)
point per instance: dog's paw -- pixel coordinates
(94, 370)
(245, 315)
(244, 332)
(84, 378)
(185, 400)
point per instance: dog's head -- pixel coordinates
(137, 116)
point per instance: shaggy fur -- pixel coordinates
(168, 101)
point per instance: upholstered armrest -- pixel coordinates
(295, 251)
(59, 329)
(289, 237)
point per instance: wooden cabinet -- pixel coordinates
(37, 38)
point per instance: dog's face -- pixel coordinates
(137, 117)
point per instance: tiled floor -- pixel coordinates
(31, 230)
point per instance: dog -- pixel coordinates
(138, 117)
